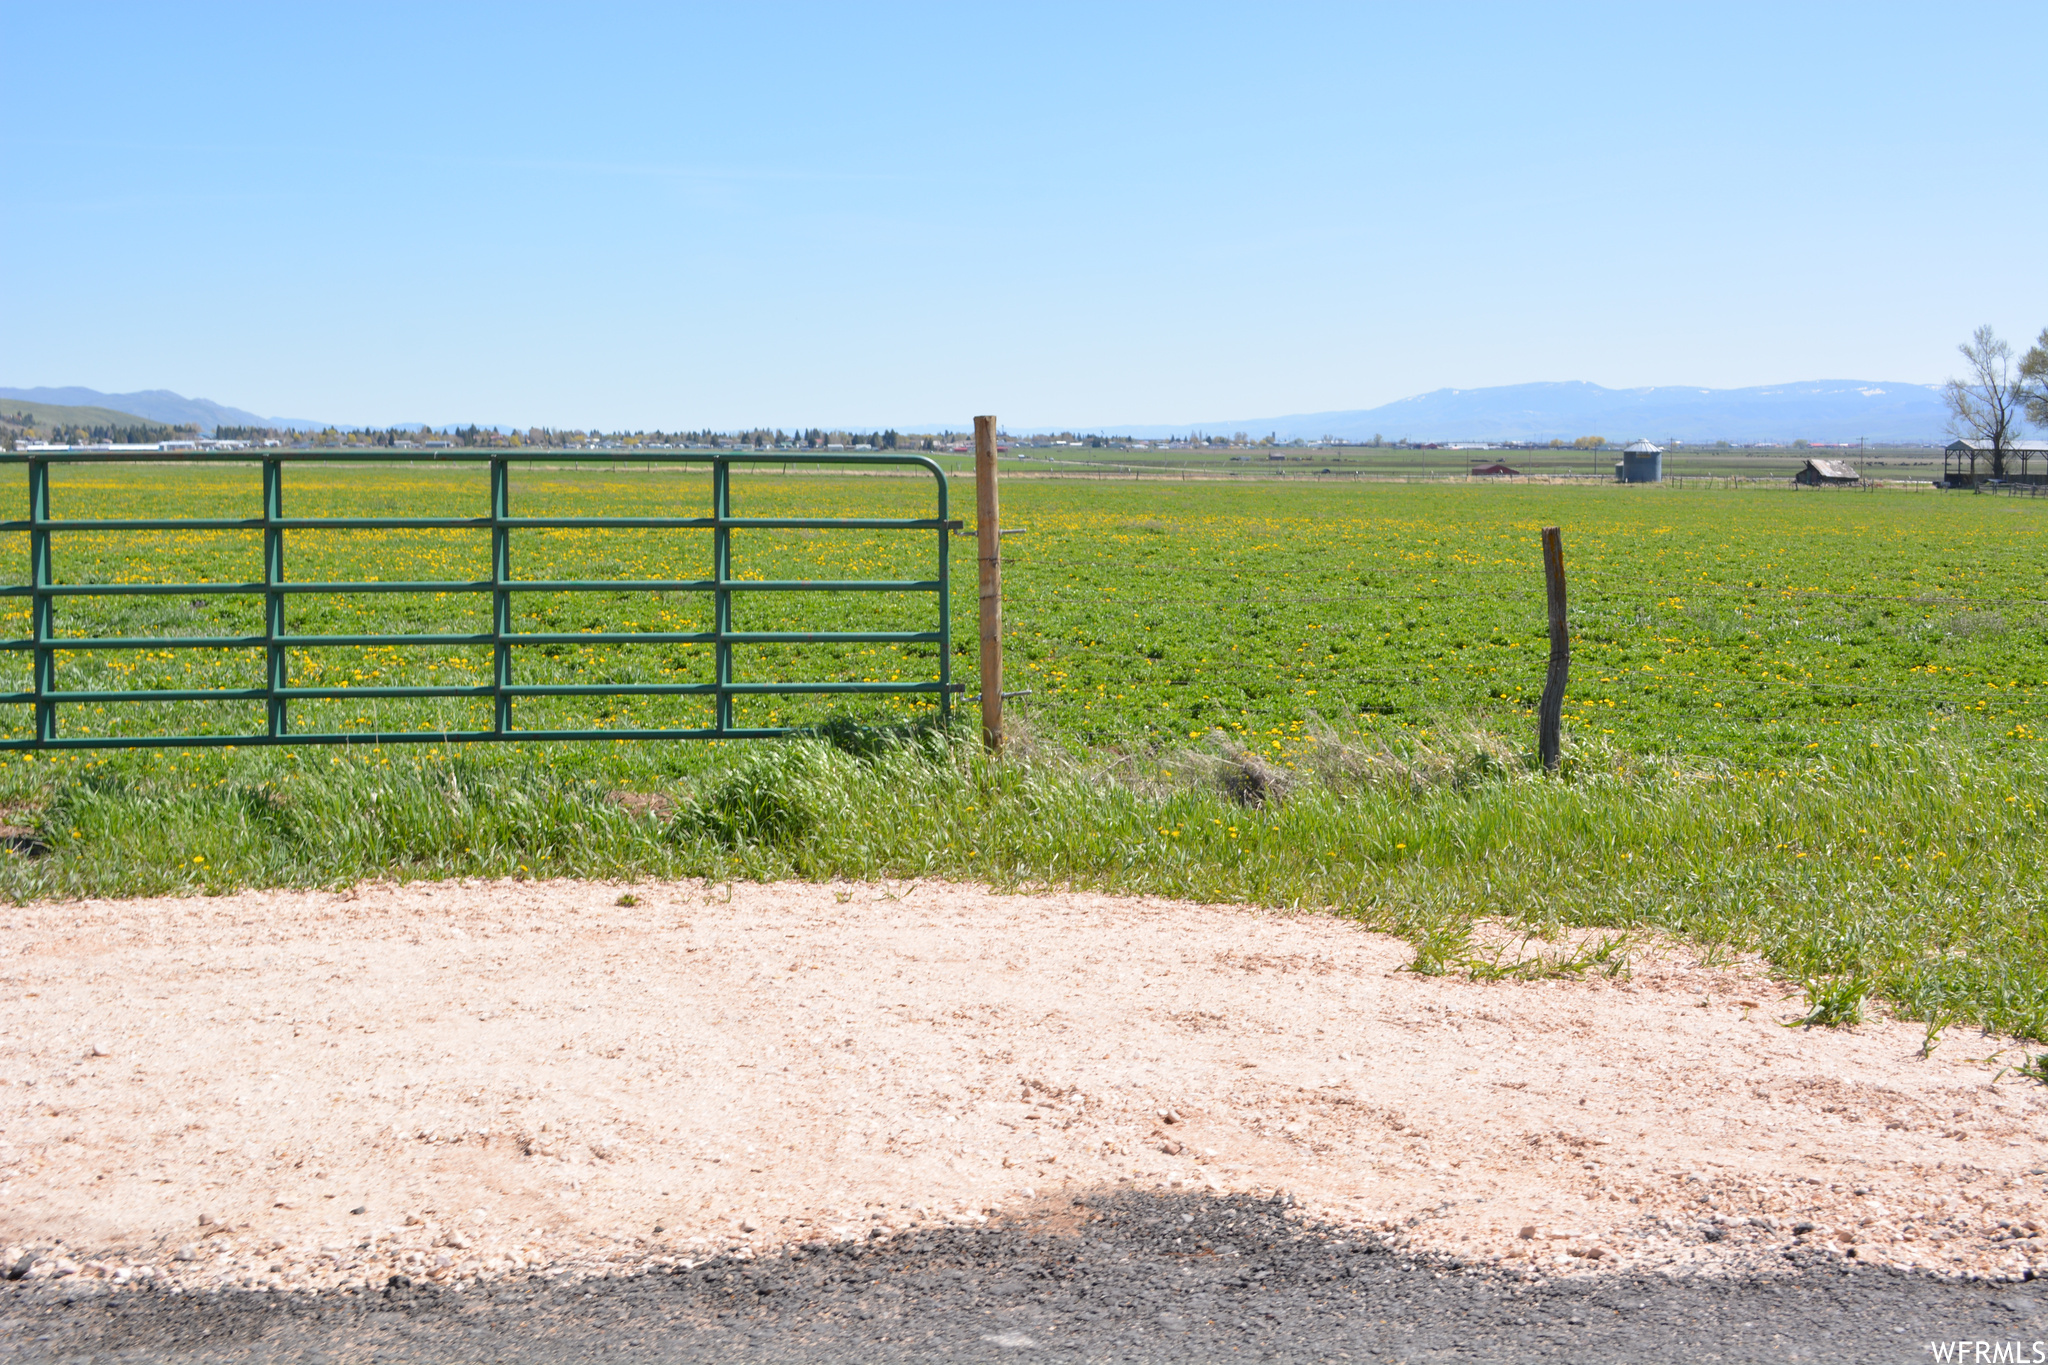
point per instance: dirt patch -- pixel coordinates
(653, 805)
(450, 1080)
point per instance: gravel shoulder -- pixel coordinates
(494, 1084)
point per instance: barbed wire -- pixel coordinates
(1493, 592)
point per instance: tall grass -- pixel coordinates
(1909, 869)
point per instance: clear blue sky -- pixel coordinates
(841, 214)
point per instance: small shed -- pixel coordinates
(1960, 462)
(1495, 470)
(1827, 474)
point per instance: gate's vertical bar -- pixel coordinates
(988, 533)
(501, 598)
(945, 610)
(273, 600)
(44, 679)
(721, 569)
(1550, 716)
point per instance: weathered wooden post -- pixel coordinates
(1551, 713)
(988, 534)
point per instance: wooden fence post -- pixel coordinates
(988, 534)
(1549, 716)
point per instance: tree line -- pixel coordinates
(21, 425)
(759, 438)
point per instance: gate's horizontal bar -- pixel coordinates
(242, 694)
(478, 523)
(474, 455)
(371, 739)
(478, 585)
(247, 524)
(64, 644)
(713, 689)
(58, 642)
(484, 690)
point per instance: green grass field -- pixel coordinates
(1800, 723)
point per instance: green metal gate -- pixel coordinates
(278, 692)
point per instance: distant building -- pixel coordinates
(1640, 463)
(1827, 474)
(1965, 464)
(1494, 470)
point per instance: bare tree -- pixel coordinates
(1986, 406)
(2034, 381)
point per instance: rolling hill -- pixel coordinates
(157, 405)
(45, 415)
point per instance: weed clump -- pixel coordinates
(1464, 755)
(1442, 948)
(1835, 1003)
(1244, 777)
(768, 798)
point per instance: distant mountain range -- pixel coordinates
(160, 405)
(1817, 410)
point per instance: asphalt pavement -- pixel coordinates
(1120, 1277)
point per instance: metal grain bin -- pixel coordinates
(1641, 463)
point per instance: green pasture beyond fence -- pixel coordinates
(45, 639)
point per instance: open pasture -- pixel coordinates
(1728, 623)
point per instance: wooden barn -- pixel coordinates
(1494, 471)
(1827, 474)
